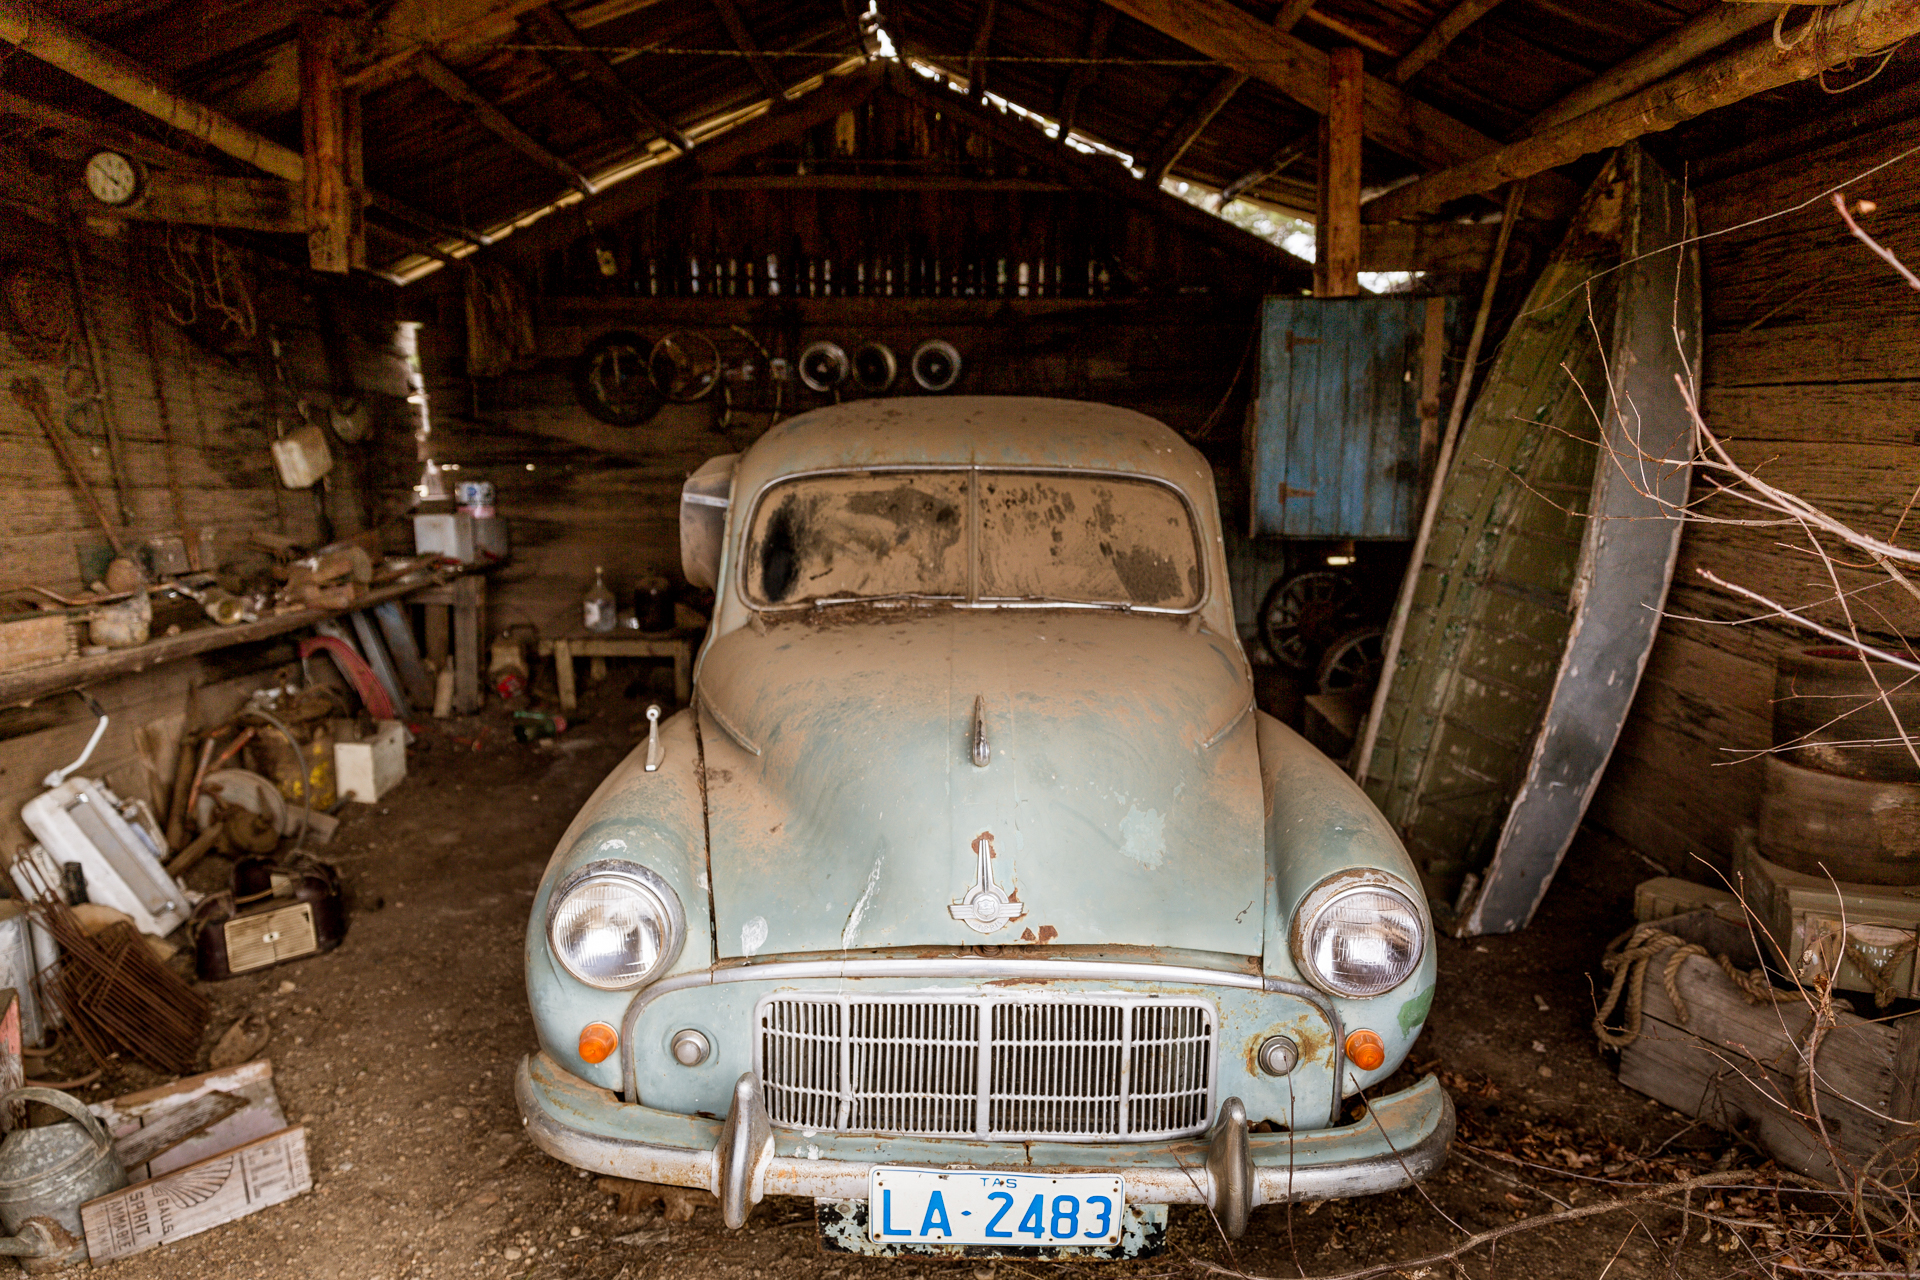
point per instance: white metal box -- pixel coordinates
(370, 768)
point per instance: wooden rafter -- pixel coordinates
(743, 40)
(1854, 30)
(1188, 131)
(1676, 49)
(1083, 75)
(100, 133)
(790, 118)
(1292, 150)
(115, 74)
(1238, 40)
(629, 108)
(1443, 33)
(442, 77)
(1095, 173)
(977, 56)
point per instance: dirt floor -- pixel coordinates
(397, 1052)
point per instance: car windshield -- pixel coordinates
(976, 537)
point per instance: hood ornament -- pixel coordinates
(987, 907)
(980, 750)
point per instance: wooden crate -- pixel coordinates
(1804, 917)
(34, 640)
(1733, 1063)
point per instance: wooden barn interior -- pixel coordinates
(356, 351)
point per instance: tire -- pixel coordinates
(1823, 698)
(1306, 612)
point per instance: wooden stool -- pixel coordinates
(600, 644)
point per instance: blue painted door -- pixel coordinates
(1338, 449)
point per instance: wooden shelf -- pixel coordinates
(24, 686)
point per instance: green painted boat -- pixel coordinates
(1492, 735)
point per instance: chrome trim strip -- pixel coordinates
(976, 967)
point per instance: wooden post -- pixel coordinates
(1336, 264)
(329, 198)
(469, 602)
(356, 168)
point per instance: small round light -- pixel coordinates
(690, 1048)
(1278, 1055)
(597, 1042)
(1360, 940)
(615, 925)
(1366, 1050)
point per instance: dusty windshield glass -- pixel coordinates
(989, 537)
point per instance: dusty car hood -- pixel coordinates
(1122, 795)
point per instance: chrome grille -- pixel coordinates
(1132, 1068)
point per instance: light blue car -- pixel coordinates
(972, 898)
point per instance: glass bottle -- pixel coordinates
(600, 608)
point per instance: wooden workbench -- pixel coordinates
(465, 594)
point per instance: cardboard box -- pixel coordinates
(368, 769)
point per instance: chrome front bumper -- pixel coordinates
(1402, 1138)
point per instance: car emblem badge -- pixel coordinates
(987, 907)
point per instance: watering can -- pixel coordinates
(46, 1174)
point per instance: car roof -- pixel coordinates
(988, 431)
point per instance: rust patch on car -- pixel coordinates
(1048, 933)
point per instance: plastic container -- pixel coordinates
(302, 457)
(450, 537)
(369, 769)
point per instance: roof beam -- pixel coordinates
(1435, 42)
(790, 118)
(1235, 38)
(1085, 73)
(1854, 30)
(629, 106)
(977, 58)
(119, 76)
(1289, 151)
(1098, 173)
(743, 41)
(1188, 132)
(1713, 28)
(115, 74)
(442, 77)
(100, 133)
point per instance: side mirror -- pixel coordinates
(704, 500)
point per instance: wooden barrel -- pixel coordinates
(1827, 711)
(1857, 830)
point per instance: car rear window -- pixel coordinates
(974, 536)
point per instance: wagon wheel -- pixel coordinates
(1304, 613)
(685, 366)
(612, 382)
(1352, 662)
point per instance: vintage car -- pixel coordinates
(973, 898)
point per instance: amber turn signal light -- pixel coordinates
(1365, 1049)
(598, 1041)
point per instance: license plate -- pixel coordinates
(1008, 1210)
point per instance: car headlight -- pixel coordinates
(615, 925)
(1358, 937)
